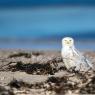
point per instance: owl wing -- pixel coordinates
(86, 62)
(82, 59)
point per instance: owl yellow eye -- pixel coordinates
(70, 40)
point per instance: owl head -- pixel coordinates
(67, 41)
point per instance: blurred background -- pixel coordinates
(41, 24)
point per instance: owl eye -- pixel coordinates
(70, 40)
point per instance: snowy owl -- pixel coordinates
(72, 58)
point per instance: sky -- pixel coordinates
(77, 19)
(32, 3)
(48, 22)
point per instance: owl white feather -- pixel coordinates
(72, 58)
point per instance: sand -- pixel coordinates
(24, 72)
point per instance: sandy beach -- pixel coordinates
(24, 72)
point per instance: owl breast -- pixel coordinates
(67, 53)
(69, 59)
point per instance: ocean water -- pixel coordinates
(43, 28)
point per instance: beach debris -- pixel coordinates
(20, 54)
(45, 75)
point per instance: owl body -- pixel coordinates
(72, 58)
(69, 58)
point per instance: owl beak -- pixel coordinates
(67, 42)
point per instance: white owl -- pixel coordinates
(72, 58)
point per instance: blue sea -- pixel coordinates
(42, 28)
